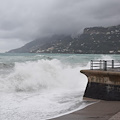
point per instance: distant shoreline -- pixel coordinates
(66, 53)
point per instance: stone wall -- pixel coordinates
(104, 85)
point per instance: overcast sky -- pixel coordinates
(24, 20)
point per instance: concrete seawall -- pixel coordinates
(104, 85)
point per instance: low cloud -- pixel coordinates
(26, 20)
(8, 44)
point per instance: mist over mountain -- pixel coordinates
(22, 21)
(99, 40)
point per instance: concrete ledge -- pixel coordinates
(104, 85)
(100, 72)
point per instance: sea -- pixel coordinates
(43, 86)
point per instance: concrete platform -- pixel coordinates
(103, 110)
(102, 85)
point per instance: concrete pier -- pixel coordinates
(103, 110)
(104, 85)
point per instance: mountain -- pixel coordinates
(94, 40)
(56, 43)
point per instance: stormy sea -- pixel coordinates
(43, 86)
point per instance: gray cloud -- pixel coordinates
(25, 20)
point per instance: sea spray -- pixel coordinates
(42, 86)
(43, 74)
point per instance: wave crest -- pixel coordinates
(42, 74)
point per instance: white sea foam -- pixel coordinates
(105, 57)
(41, 89)
(30, 76)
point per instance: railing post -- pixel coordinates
(112, 64)
(100, 64)
(91, 66)
(105, 65)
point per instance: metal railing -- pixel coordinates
(104, 64)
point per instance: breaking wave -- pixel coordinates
(42, 74)
(39, 87)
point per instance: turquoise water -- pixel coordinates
(70, 58)
(43, 86)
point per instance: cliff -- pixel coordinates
(94, 40)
